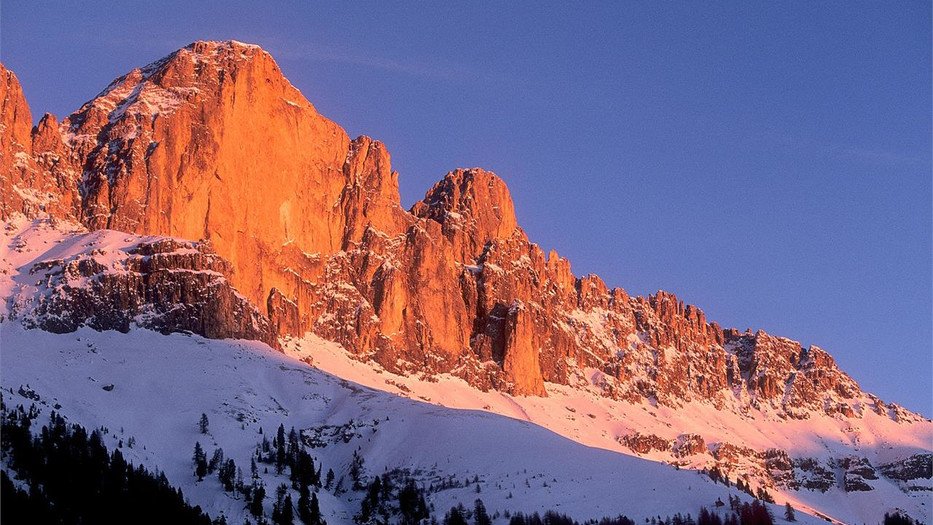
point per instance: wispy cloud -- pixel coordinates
(844, 151)
(876, 155)
(318, 54)
(315, 52)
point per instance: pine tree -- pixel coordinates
(303, 471)
(280, 449)
(280, 436)
(456, 516)
(200, 461)
(371, 502)
(708, 518)
(217, 460)
(239, 485)
(316, 518)
(480, 516)
(255, 506)
(203, 424)
(304, 505)
(287, 513)
(282, 513)
(898, 519)
(789, 513)
(293, 447)
(330, 479)
(227, 475)
(356, 470)
(411, 504)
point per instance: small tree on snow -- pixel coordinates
(356, 470)
(789, 514)
(203, 424)
(200, 461)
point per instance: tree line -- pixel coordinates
(61, 474)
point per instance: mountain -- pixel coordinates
(314, 231)
(339, 417)
(203, 193)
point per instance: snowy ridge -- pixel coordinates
(244, 386)
(36, 245)
(592, 455)
(582, 414)
(57, 277)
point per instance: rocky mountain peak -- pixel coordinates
(188, 77)
(34, 176)
(473, 206)
(212, 142)
(16, 117)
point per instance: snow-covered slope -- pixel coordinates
(586, 417)
(161, 385)
(574, 451)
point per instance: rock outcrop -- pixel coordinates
(917, 466)
(35, 173)
(212, 142)
(163, 284)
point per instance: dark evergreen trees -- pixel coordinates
(227, 475)
(356, 470)
(73, 479)
(412, 507)
(217, 460)
(372, 503)
(480, 516)
(309, 510)
(898, 519)
(287, 511)
(303, 472)
(708, 518)
(618, 520)
(304, 505)
(255, 505)
(456, 516)
(316, 518)
(755, 513)
(280, 454)
(200, 461)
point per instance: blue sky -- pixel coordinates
(769, 162)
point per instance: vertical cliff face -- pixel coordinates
(212, 142)
(15, 136)
(35, 173)
(473, 207)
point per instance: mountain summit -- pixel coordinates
(213, 143)
(204, 194)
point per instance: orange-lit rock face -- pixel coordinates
(15, 137)
(520, 361)
(35, 172)
(212, 142)
(473, 207)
